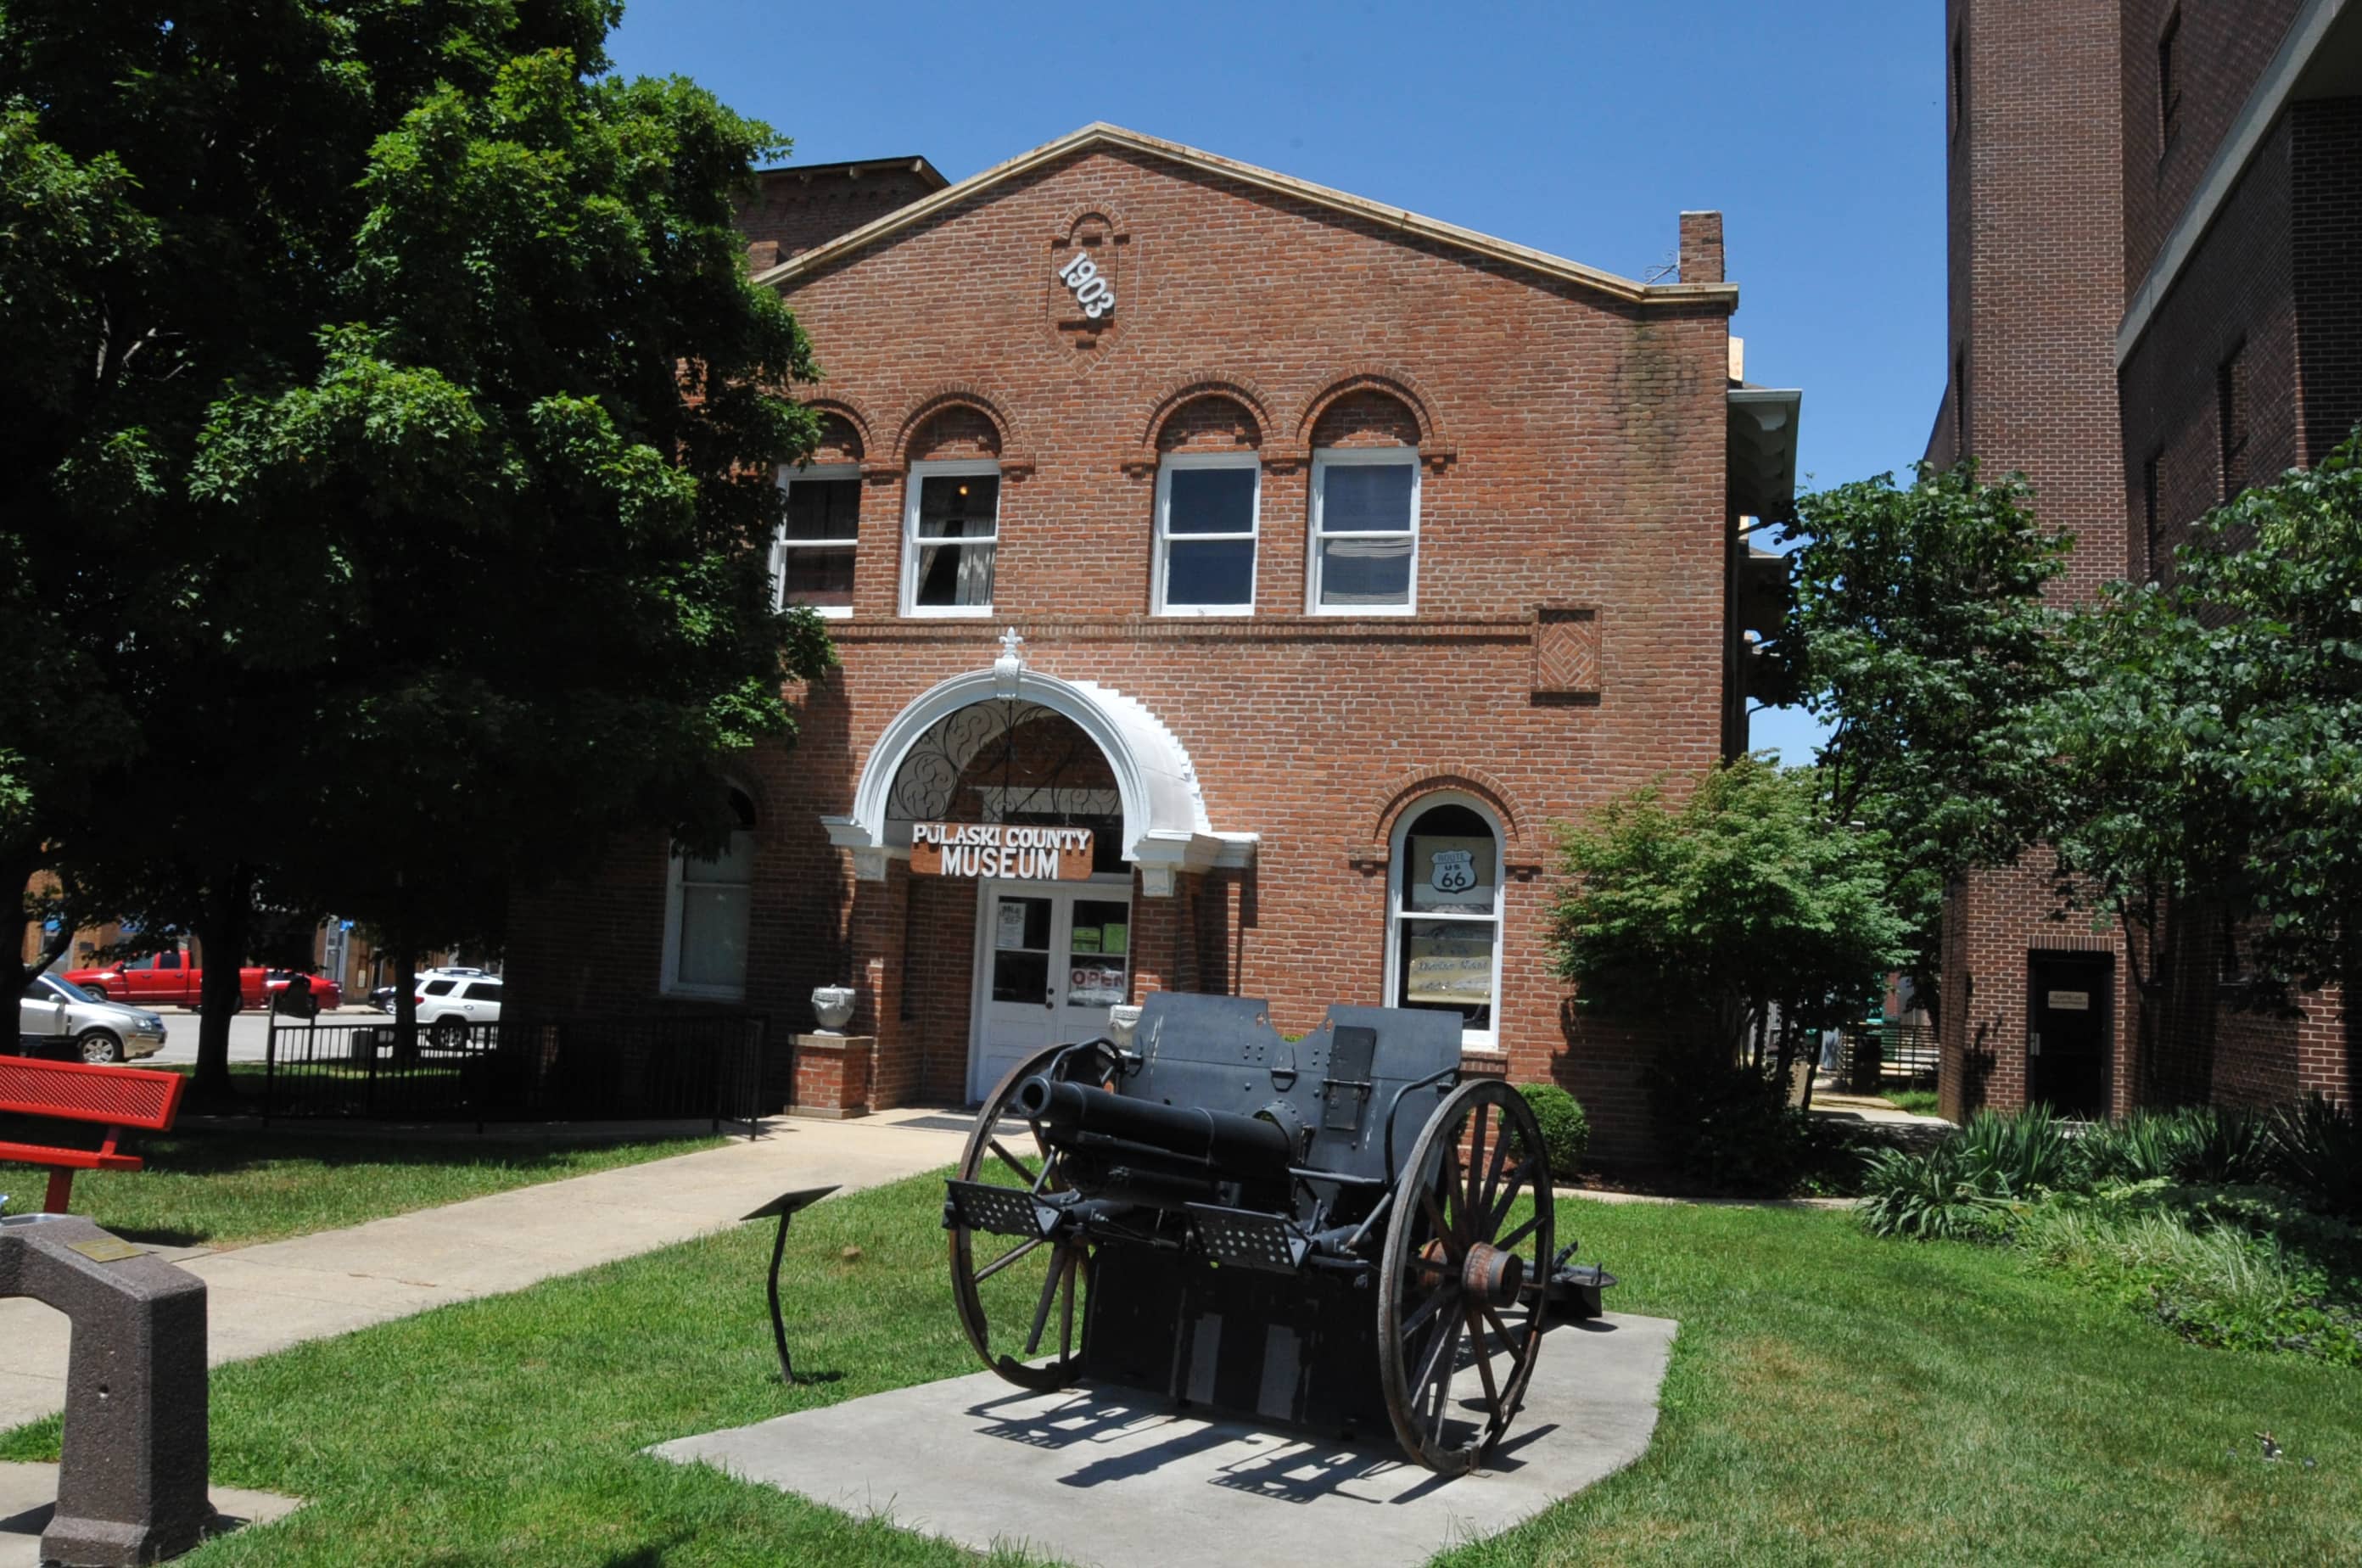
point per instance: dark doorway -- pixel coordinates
(2067, 1045)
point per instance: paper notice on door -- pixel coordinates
(1010, 929)
(2068, 1001)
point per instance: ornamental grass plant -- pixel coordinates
(2233, 1229)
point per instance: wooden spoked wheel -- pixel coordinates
(1458, 1332)
(1019, 1298)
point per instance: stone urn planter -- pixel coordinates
(833, 1005)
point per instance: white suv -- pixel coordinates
(448, 1004)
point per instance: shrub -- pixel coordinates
(2317, 1149)
(2015, 1156)
(1928, 1197)
(1566, 1131)
(2194, 1145)
(1730, 1127)
(2210, 1283)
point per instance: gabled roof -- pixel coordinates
(1115, 137)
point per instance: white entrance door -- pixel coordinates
(1051, 960)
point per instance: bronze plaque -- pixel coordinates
(107, 1249)
(1017, 852)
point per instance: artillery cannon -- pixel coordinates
(1334, 1232)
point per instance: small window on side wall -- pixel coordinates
(1207, 510)
(1443, 938)
(813, 561)
(952, 535)
(1364, 531)
(709, 900)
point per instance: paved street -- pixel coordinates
(248, 1032)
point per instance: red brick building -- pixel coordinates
(1313, 557)
(2155, 210)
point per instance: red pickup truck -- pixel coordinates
(171, 978)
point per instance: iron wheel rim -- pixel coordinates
(1064, 1272)
(1426, 1314)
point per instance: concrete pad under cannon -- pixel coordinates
(1117, 1477)
(29, 1492)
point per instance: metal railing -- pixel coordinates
(1880, 1051)
(595, 1067)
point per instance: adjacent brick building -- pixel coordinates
(2155, 209)
(1315, 557)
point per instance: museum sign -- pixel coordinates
(1016, 850)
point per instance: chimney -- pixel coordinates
(1701, 248)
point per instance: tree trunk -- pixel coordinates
(225, 921)
(405, 999)
(18, 872)
(1784, 1058)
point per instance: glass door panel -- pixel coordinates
(1098, 954)
(1021, 949)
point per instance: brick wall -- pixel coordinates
(794, 209)
(2220, 50)
(1571, 452)
(2326, 180)
(2062, 103)
(2231, 310)
(2035, 196)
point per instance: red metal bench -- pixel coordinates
(118, 1097)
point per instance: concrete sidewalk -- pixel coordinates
(265, 1298)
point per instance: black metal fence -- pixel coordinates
(609, 1067)
(1880, 1051)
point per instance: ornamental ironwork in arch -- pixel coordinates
(1039, 765)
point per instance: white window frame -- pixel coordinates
(1165, 535)
(790, 474)
(1397, 914)
(1323, 459)
(669, 982)
(913, 485)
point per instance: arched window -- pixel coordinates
(1443, 923)
(707, 902)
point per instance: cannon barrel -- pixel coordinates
(1239, 1147)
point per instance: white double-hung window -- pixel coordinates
(1364, 531)
(708, 911)
(951, 533)
(1206, 507)
(812, 560)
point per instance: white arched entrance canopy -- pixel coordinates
(1165, 828)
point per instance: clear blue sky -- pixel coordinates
(1579, 128)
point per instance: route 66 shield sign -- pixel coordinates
(1454, 871)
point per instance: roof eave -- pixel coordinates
(1409, 223)
(1760, 455)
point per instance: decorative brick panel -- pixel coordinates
(1566, 650)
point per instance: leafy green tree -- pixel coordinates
(65, 224)
(1918, 627)
(2208, 741)
(414, 417)
(1745, 897)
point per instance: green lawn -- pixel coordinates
(1833, 1398)
(1917, 1101)
(233, 1189)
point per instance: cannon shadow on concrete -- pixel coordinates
(1110, 1475)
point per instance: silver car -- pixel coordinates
(54, 1015)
